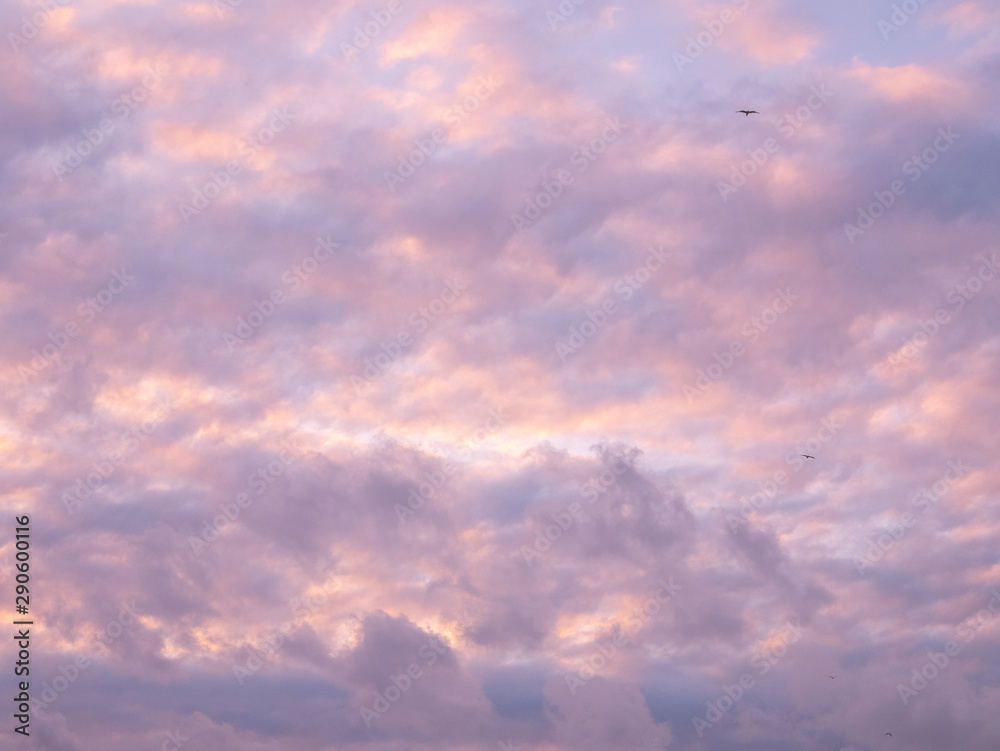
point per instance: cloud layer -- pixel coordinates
(386, 377)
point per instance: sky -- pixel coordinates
(397, 376)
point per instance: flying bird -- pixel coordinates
(807, 456)
(749, 112)
(831, 677)
(889, 734)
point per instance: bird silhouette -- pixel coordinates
(807, 456)
(749, 112)
(889, 734)
(831, 677)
